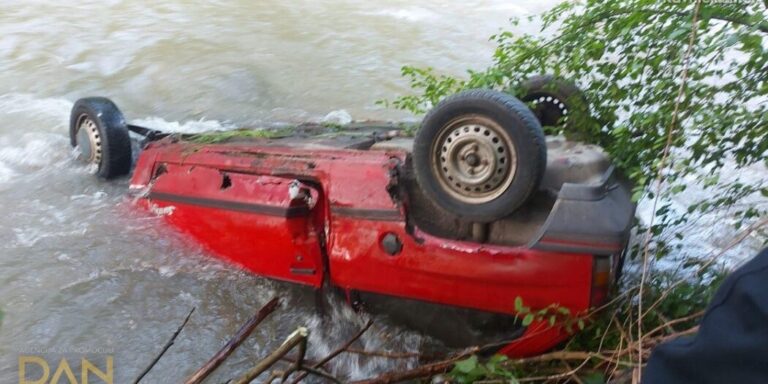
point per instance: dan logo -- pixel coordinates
(63, 372)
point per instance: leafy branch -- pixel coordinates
(554, 314)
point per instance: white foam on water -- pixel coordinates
(193, 126)
(410, 14)
(507, 9)
(56, 108)
(6, 173)
(707, 235)
(32, 135)
(36, 150)
(339, 116)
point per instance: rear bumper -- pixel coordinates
(589, 218)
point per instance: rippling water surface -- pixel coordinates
(82, 273)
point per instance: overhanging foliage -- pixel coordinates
(627, 55)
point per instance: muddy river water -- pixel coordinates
(83, 274)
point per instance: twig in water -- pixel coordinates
(299, 363)
(296, 338)
(274, 375)
(423, 371)
(292, 360)
(386, 354)
(165, 348)
(335, 353)
(233, 343)
(320, 373)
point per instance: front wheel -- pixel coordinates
(98, 130)
(479, 154)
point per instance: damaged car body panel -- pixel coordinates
(441, 232)
(276, 202)
(236, 200)
(244, 217)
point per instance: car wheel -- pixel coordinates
(98, 130)
(479, 154)
(557, 103)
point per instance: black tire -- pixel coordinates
(511, 122)
(109, 144)
(559, 105)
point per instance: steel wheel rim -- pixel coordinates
(474, 159)
(88, 140)
(545, 101)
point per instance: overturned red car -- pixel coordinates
(441, 232)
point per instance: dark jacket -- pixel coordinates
(732, 343)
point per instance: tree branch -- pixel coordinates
(321, 373)
(296, 338)
(423, 371)
(743, 20)
(386, 354)
(165, 348)
(233, 343)
(335, 353)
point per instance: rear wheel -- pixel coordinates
(558, 104)
(479, 154)
(98, 130)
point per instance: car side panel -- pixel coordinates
(465, 274)
(250, 220)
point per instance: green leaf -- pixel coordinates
(680, 32)
(637, 195)
(528, 319)
(594, 378)
(518, 304)
(467, 365)
(495, 359)
(677, 189)
(478, 372)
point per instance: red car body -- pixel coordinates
(334, 217)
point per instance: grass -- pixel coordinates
(331, 129)
(214, 137)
